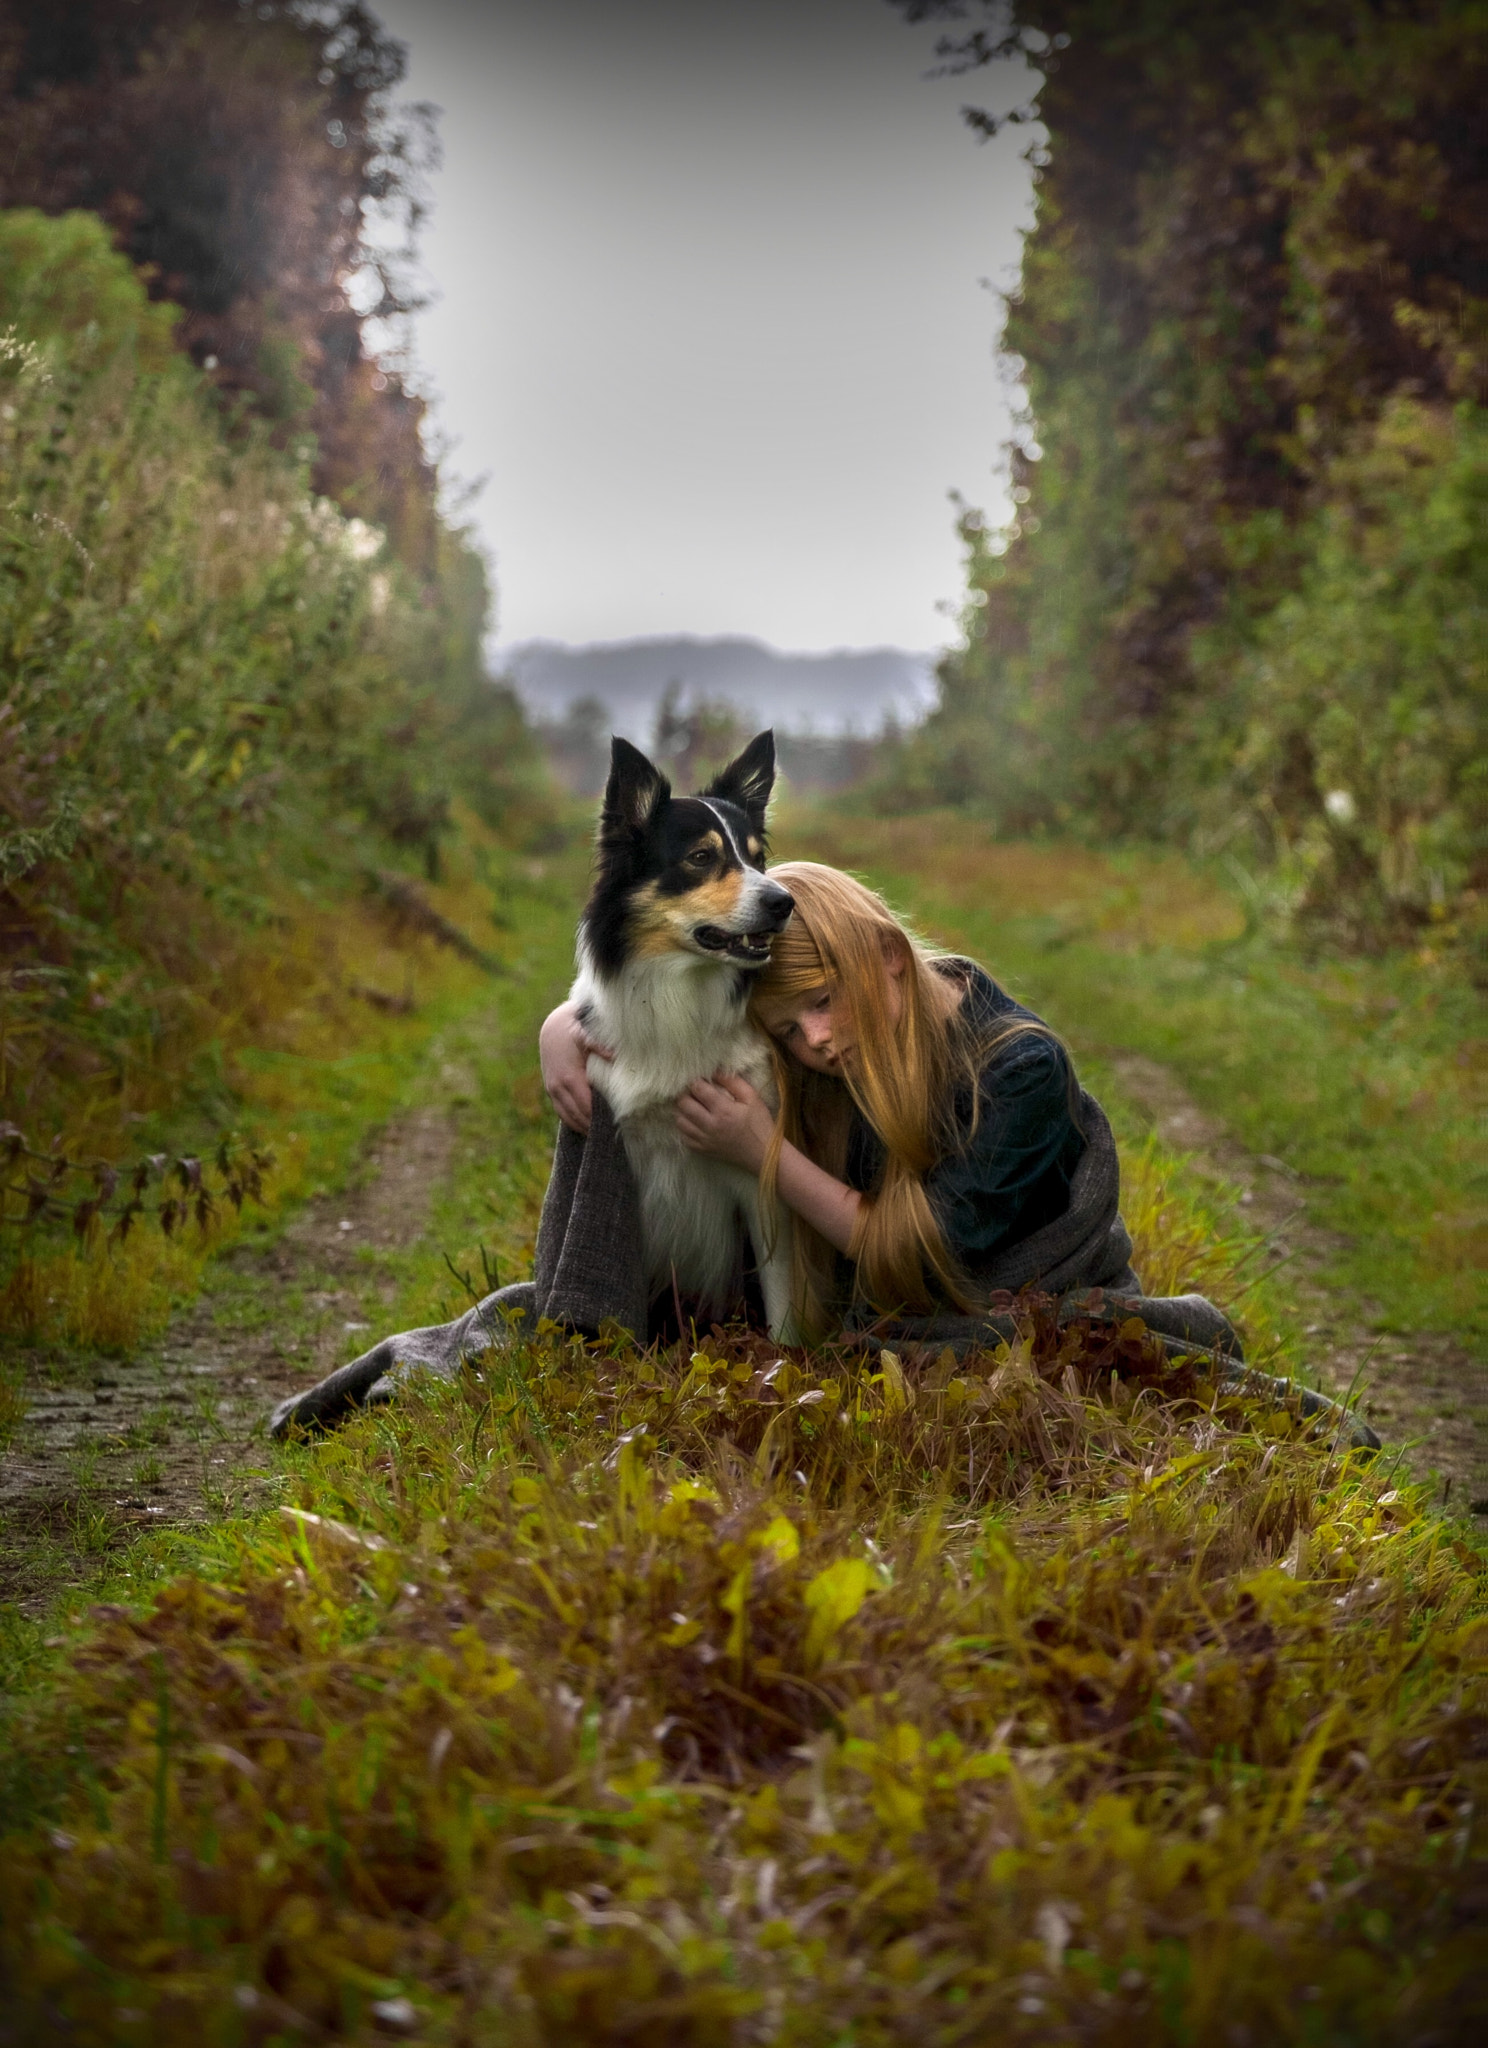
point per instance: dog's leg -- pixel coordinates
(771, 1238)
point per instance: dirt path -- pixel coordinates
(176, 1431)
(1423, 1390)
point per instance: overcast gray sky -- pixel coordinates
(710, 311)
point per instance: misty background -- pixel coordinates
(713, 319)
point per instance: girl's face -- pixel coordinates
(817, 1029)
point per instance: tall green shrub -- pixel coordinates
(1363, 696)
(207, 675)
(1256, 275)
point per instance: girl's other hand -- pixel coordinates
(727, 1119)
(564, 1048)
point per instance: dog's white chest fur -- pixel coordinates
(673, 1020)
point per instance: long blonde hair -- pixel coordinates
(905, 1079)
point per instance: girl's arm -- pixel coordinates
(563, 1047)
(829, 1206)
(727, 1119)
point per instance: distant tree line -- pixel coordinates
(1243, 599)
(694, 734)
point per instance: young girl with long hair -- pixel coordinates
(928, 1122)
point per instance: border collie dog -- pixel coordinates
(680, 918)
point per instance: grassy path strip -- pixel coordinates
(1423, 1391)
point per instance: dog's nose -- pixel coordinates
(778, 904)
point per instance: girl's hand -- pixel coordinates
(564, 1048)
(727, 1119)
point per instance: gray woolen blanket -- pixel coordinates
(588, 1272)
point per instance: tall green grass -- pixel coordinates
(317, 1031)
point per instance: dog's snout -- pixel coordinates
(778, 904)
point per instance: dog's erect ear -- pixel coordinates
(748, 781)
(633, 795)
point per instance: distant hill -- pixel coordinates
(850, 690)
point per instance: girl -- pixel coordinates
(935, 1147)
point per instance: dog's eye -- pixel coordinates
(700, 857)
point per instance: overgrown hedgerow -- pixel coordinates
(1240, 600)
(215, 688)
(721, 1696)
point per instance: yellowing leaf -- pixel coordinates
(903, 1743)
(687, 1490)
(832, 1598)
(781, 1538)
(896, 1392)
(898, 1806)
(502, 1677)
(736, 1602)
(1176, 1469)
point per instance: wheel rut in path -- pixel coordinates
(176, 1430)
(1423, 1389)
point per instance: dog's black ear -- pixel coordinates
(748, 781)
(635, 792)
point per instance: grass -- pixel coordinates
(719, 1697)
(1369, 1077)
(12, 1408)
(714, 1697)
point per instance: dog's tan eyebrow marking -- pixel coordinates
(708, 839)
(756, 846)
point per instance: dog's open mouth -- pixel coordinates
(753, 947)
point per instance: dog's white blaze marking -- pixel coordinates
(727, 830)
(754, 882)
